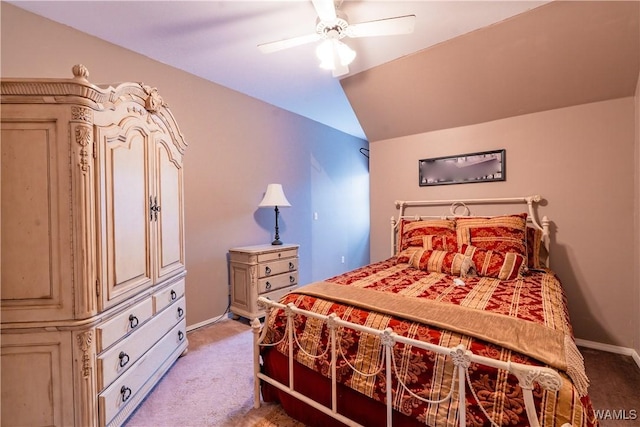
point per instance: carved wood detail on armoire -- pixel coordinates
(93, 255)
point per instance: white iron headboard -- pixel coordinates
(458, 208)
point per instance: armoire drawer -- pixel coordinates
(115, 397)
(168, 295)
(130, 319)
(269, 284)
(115, 361)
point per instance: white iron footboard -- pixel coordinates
(460, 356)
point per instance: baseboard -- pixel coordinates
(207, 322)
(610, 348)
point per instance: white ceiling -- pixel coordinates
(217, 40)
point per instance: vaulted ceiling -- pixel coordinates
(466, 62)
(557, 55)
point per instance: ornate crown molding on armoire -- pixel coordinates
(93, 257)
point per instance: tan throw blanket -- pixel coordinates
(554, 347)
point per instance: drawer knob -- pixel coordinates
(133, 321)
(125, 392)
(174, 295)
(292, 279)
(180, 335)
(267, 270)
(267, 285)
(291, 266)
(180, 311)
(124, 359)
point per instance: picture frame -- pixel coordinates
(484, 166)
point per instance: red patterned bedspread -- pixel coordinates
(523, 320)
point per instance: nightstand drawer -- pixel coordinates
(277, 267)
(279, 293)
(273, 256)
(269, 284)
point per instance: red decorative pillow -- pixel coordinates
(452, 263)
(536, 252)
(433, 242)
(413, 232)
(488, 263)
(507, 233)
(405, 255)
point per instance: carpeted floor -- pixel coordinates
(212, 385)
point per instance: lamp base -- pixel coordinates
(276, 240)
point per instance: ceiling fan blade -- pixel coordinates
(383, 27)
(326, 10)
(287, 43)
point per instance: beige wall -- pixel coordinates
(582, 161)
(637, 215)
(237, 145)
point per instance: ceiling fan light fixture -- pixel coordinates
(332, 54)
(345, 53)
(331, 26)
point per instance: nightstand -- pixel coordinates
(270, 271)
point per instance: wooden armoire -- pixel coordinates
(93, 255)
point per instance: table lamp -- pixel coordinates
(274, 197)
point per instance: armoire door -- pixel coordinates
(168, 212)
(37, 378)
(36, 271)
(125, 175)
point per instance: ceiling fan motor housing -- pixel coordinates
(336, 29)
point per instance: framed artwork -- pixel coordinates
(485, 166)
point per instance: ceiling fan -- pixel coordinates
(331, 26)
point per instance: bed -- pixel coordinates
(464, 324)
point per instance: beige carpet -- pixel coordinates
(212, 385)
(275, 417)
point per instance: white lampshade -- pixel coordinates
(274, 196)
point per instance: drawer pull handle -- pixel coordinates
(267, 270)
(180, 335)
(133, 321)
(124, 359)
(174, 295)
(291, 266)
(126, 393)
(180, 311)
(267, 285)
(292, 279)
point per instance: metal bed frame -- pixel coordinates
(460, 356)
